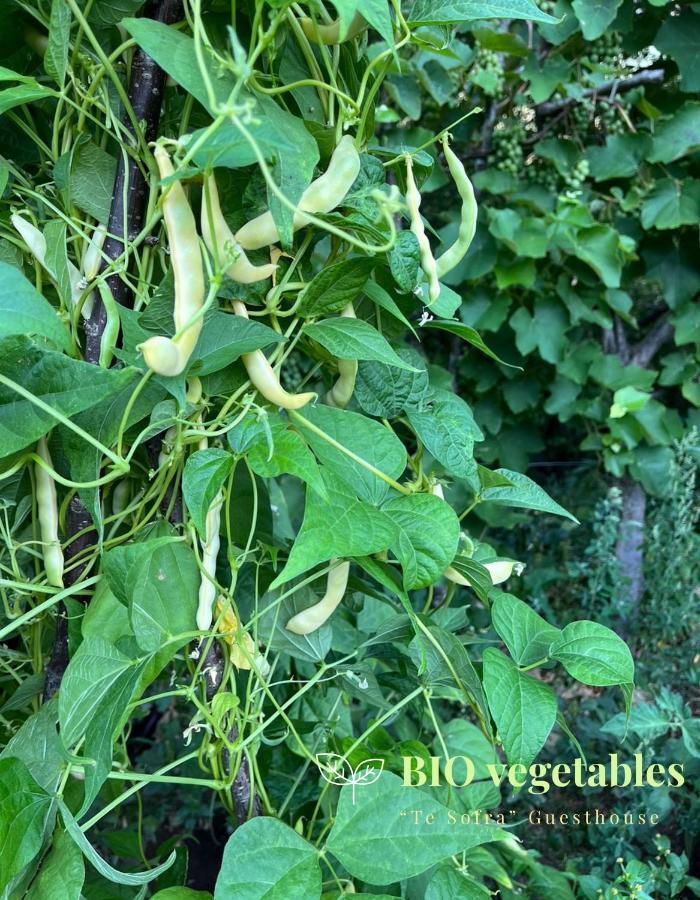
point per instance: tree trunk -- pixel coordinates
(629, 549)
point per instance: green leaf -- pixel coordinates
(526, 635)
(468, 334)
(107, 871)
(348, 338)
(427, 537)
(56, 56)
(440, 12)
(593, 654)
(24, 311)
(92, 180)
(619, 158)
(672, 203)
(62, 872)
(363, 437)
(382, 298)
(523, 708)
(181, 893)
(225, 338)
(595, 16)
(334, 287)
(443, 662)
(20, 95)
(341, 526)
(404, 261)
(204, 474)
(448, 431)
(169, 572)
(24, 811)
(378, 840)
(383, 390)
(284, 451)
(523, 494)
(628, 399)
(64, 384)
(679, 37)
(678, 135)
(38, 746)
(264, 858)
(449, 883)
(599, 247)
(96, 673)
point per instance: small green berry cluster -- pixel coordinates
(609, 118)
(547, 6)
(605, 51)
(539, 172)
(576, 179)
(508, 141)
(487, 71)
(581, 114)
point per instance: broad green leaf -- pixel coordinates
(335, 286)
(678, 135)
(164, 589)
(672, 203)
(679, 37)
(468, 334)
(449, 883)
(264, 859)
(341, 526)
(62, 872)
(441, 12)
(593, 654)
(22, 94)
(595, 16)
(24, 811)
(524, 494)
(386, 391)
(377, 839)
(462, 738)
(523, 708)
(382, 298)
(92, 181)
(427, 532)
(363, 437)
(181, 893)
(284, 451)
(620, 157)
(104, 868)
(38, 746)
(348, 338)
(448, 431)
(64, 384)
(96, 673)
(225, 338)
(526, 634)
(24, 311)
(599, 247)
(203, 477)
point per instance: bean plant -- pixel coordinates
(242, 580)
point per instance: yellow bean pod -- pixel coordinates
(164, 355)
(330, 33)
(323, 195)
(311, 619)
(263, 378)
(47, 508)
(467, 224)
(227, 252)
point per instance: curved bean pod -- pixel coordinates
(330, 33)
(221, 243)
(467, 224)
(321, 196)
(311, 619)
(47, 507)
(427, 260)
(263, 378)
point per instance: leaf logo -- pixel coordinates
(335, 769)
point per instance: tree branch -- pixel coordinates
(643, 352)
(614, 86)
